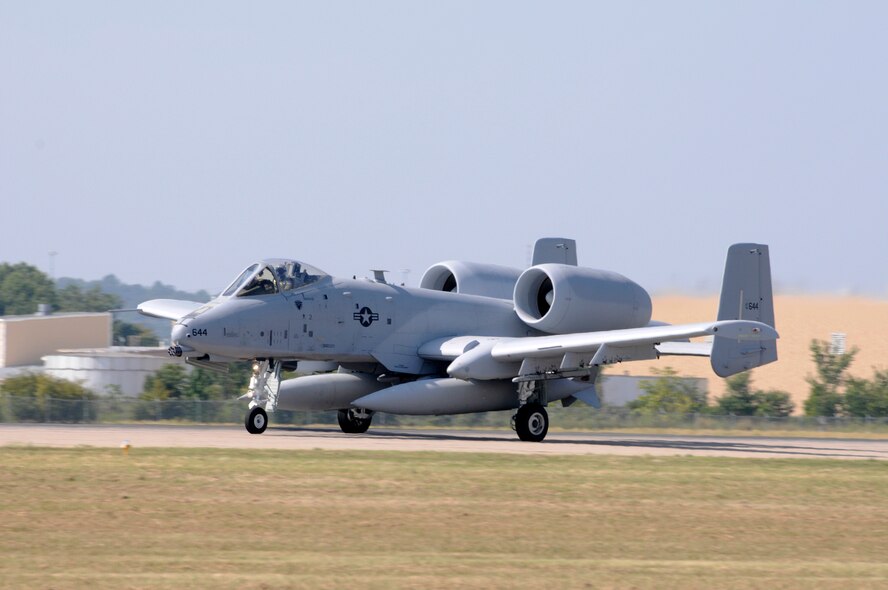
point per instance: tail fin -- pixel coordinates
(746, 295)
(557, 250)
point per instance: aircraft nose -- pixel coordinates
(179, 333)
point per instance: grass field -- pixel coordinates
(171, 518)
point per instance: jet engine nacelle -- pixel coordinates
(471, 278)
(560, 299)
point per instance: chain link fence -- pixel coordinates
(121, 410)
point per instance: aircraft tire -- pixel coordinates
(532, 422)
(350, 424)
(256, 421)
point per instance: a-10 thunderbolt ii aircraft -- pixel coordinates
(472, 338)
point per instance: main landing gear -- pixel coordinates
(531, 421)
(354, 420)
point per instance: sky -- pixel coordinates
(181, 141)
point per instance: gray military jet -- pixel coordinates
(472, 338)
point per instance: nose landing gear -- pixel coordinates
(265, 384)
(256, 421)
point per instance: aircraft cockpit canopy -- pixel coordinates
(273, 276)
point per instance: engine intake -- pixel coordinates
(471, 278)
(561, 299)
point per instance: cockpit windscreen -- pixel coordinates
(274, 276)
(261, 284)
(233, 287)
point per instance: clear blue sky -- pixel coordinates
(180, 141)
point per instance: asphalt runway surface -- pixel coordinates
(476, 441)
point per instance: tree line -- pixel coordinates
(669, 393)
(23, 287)
(832, 392)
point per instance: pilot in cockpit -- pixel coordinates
(262, 284)
(285, 280)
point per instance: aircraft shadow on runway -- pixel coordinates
(815, 449)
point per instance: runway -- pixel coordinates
(475, 441)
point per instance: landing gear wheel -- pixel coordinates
(256, 421)
(352, 422)
(532, 422)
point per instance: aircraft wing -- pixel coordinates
(170, 309)
(565, 355)
(547, 346)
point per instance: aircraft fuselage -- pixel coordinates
(344, 320)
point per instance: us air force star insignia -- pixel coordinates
(366, 316)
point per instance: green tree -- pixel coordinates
(172, 381)
(22, 287)
(669, 394)
(823, 401)
(205, 384)
(830, 367)
(741, 400)
(215, 385)
(867, 398)
(72, 298)
(38, 397)
(164, 395)
(143, 336)
(774, 403)
(175, 393)
(826, 395)
(168, 382)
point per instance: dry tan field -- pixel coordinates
(96, 519)
(799, 319)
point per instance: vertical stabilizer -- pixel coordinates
(555, 251)
(746, 295)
